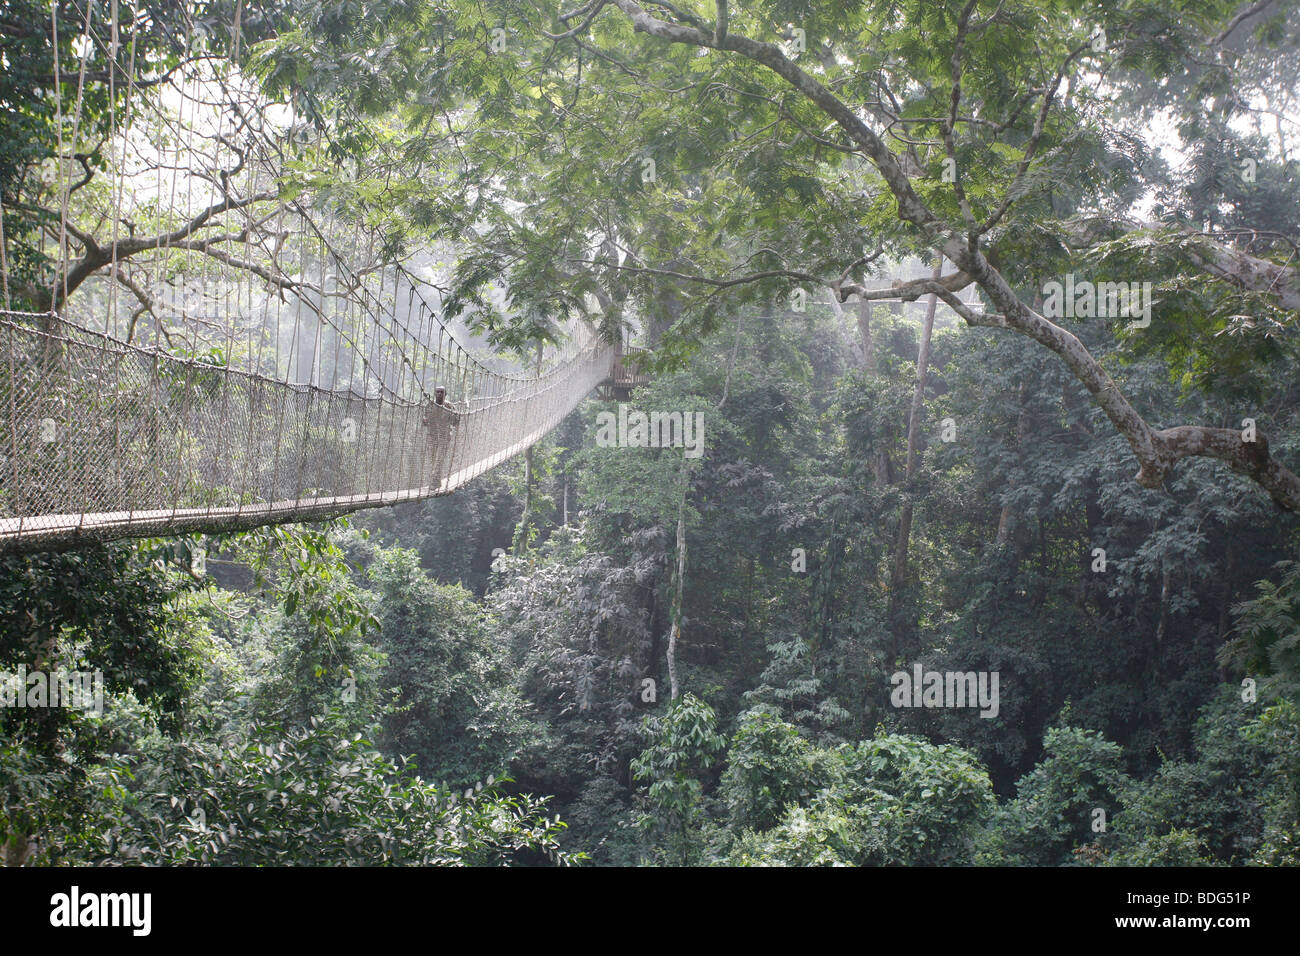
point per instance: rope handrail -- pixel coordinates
(10, 317)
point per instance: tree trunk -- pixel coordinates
(679, 578)
(881, 469)
(521, 532)
(1163, 626)
(1225, 603)
(864, 330)
(899, 577)
(16, 850)
(1007, 519)
(731, 362)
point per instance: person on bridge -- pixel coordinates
(442, 419)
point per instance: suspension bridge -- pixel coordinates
(104, 440)
(211, 351)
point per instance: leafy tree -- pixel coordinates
(68, 70)
(456, 708)
(577, 628)
(1233, 801)
(1266, 645)
(684, 745)
(1054, 810)
(106, 610)
(321, 795)
(770, 768)
(891, 800)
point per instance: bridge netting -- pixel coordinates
(210, 343)
(105, 440)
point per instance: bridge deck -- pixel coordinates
(55, 532)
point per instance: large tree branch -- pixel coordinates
(1236, 21)
(906, 291)
(1226, 262)
(1156, 451)
(129, 247)
(1246, 271)
(87, 241)
(1249, 458)
(96, 257)
(910, 206)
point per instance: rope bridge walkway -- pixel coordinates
(104, 440)
(213, 346)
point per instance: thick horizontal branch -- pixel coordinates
(1250, 458)
(710, 281)
(1232, 265)
(96, 257)
(1246, 271)
(906, 291)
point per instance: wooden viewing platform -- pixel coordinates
(624, 376)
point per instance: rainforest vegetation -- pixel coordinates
(833, 228)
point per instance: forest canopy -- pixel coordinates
(988, 314)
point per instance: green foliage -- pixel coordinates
(684, 746)
(258, 779)
(308, 572)
(577, 631)
(454, 534)
(106, 607)
(315, 639)
(1053, 811)
(112, 611)
(770, 768)
(891, 800)
(1236, 801)
(1267, 642)
(456, 709)
(524, 166)
(321, 795)
(1175, 848)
